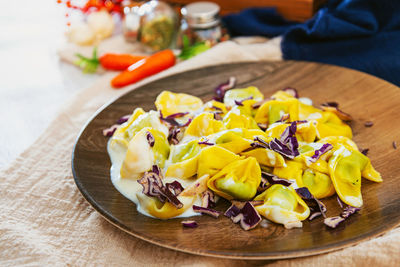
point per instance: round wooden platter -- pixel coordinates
(365, 97)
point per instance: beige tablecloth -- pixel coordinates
(44, 220)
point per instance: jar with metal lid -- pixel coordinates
(201, 23)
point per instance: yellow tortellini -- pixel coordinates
(346, 168)
(232, 140)
(203, 125)
(237, 180)
(283, 205)
(170, 103)
(213, 159)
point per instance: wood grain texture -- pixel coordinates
(296, 10)
(365, 97)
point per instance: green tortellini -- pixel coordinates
(319, 184)
(232, 140)
(238, 180)
(346, 168)
(183, 160)
(283, 205)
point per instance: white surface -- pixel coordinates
(34, 83)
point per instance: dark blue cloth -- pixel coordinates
(359, 34)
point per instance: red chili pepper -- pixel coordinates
(118, 61)
(144, 68)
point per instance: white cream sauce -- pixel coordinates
(129, 188)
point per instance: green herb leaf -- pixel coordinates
(189, 51)
(88, 65)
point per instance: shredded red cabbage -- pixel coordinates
(293, 92)
(287, 145)
(123, 119)
(217, 115)
(221, 89)
(333, 222)
(368, 124)
(394, 144)
(190, 224)
(273, 179)
(154, 187)
(110, 131)
(206, 142)
(171, 119)
(240, 102)
(319, 152)
(173, 135)
(247, 216)
(208, 199)
(150, 139)
(314, 204)
(175, 187)
(208, 211)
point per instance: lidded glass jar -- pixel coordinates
(201, 22)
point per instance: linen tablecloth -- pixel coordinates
(44, 220)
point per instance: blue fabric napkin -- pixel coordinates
(359, 34)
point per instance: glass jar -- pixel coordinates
(158, 25)
(201, 23)
(131, 20)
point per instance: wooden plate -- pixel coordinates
(365, 97)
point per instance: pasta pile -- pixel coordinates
(244, 148)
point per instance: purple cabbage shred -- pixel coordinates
(154, 187)
(110, 131)
(208, 211)
(247, 216)
(319, 152)
(173, 135)
(123, 119)
(190, 224)
(221, 89)
(240, 102)
(208, 199)
(175, 187)
(171, 119)
(314, 204)
(206, 142)
(150, 139)
(273, 179)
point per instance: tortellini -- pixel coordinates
(203, 125)
(283, 205)
(183, 160)
(171, 103)
(237, 180)
(141, 156)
